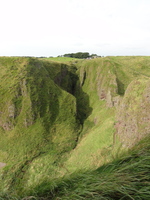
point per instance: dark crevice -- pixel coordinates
(69, 81)
(121, 89)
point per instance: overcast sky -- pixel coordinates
(56, 27)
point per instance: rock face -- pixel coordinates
(133, 116)
(106, 85)
(7, 117)
(101, 78)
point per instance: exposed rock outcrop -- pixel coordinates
(2, 164)
(133, 116)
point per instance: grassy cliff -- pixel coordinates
(60, 118)
(37, 117)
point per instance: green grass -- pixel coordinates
(37, 116)
(62, 59)
(57, 127)
(125, 178)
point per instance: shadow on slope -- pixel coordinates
(68, 80)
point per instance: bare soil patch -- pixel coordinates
(2, 165)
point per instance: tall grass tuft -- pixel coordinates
(127, 178)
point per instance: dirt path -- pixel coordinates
(2, 164)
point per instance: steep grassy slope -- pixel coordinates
(134, 123)
(124, 178)
(37, 117)
(108, 84)
(58, 118)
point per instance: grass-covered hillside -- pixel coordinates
(125, 178)
(65, 128)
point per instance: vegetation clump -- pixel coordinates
(80, 55)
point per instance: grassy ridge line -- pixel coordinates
(66, 60)
(136, 65)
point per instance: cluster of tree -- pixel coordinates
(81, 55)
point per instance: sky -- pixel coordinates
(56, 27)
